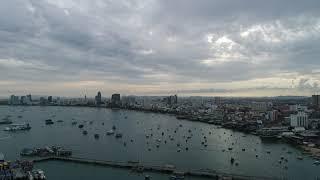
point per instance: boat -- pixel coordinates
(300, 157)
(38, 174)
(18, 127)
(6, 122)
(49, 122)
(176, 177)
(110, 132)
(317, 163)
(46, 152)
(147, 177)
(27, 152)
(81, 126)
(96, 136)
(119, 135)
(232, 160)
(84, 132)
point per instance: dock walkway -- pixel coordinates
(167, 169)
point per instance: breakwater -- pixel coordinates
(139, 167)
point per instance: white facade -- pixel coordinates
(298, 107)
(299, 120)
(259, 106)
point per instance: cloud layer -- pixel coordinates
(209, 47)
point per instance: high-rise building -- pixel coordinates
(273, 115)
(316, 100)
(115, 101)
(29, 99)
(14, 100)
(299, 120)
(50, 99)
(98, 99)
(43, 101)
(23, 100)
(217, 100)
(128, 101)
(171, 100)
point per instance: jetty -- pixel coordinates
(139, 167)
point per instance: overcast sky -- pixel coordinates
(158, 47)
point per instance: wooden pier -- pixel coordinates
(167, 169)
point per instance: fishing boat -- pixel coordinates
(49, 122)
(110, 132)
(18, 127)
(6, 122)
(119, 135)
(300, 157)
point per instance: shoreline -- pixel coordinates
(314, 152)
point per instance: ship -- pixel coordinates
(18, 127)
(7, 121)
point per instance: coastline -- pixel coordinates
(312, 151)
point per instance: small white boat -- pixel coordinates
(110, 132)
(18, 127)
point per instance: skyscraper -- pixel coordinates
(14, 100)
(316, 100)
(50, 99)
(98, 99)
(171, 100)
(29, 98)
(115, 101)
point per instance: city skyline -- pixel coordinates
(198, 48)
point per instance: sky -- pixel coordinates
(160, 47)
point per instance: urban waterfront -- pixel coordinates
(259, 158)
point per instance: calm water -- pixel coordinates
(135, 126)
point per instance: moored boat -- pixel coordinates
(6, 122)
(18, 127)
(119, 135)
(110, 132)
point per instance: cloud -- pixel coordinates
(158, 45)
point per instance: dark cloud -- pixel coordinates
(160, 44)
